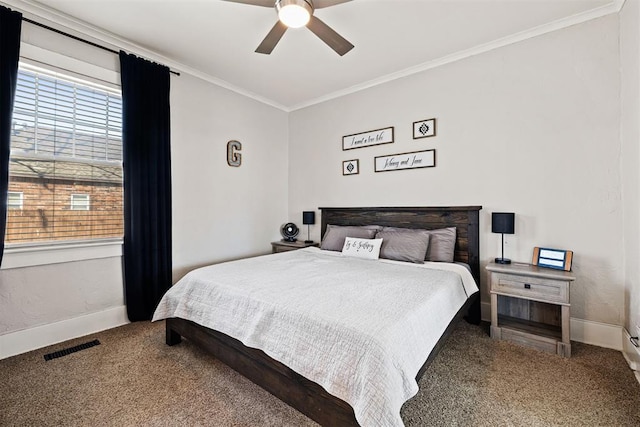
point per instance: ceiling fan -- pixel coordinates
(296, 14)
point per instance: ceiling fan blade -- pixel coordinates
(272, 38)
(329, 36)
(319, 4)
(265, 3)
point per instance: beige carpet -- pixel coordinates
(134, 379)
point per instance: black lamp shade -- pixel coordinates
(308, 217)
(503, 222)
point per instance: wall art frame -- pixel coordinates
(403, 161)
(424, 128)
(351, 167)
(368, 138)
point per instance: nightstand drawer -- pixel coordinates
(554, 291)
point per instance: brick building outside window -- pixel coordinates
(66, 161)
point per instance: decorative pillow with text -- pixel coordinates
(362, 248)
(333, 239)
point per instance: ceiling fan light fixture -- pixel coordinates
(294, 13)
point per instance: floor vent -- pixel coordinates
(70, 350)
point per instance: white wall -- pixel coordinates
(219, 212)
(222, 212)
(630, 136)
(531, 128)
(44, 294)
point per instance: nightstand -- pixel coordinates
(530, 305)
(283, 246)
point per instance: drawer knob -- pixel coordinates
(527, 286)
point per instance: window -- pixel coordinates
(66, 159)
(14, 200)
(79, 202)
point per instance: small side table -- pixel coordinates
(283, 246)
(534, 296)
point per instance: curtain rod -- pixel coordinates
(46, 27)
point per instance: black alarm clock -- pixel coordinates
(289, 232)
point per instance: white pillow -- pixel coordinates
(362, 248)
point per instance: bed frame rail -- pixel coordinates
(278, 379)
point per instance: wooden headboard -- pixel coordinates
(464, 218)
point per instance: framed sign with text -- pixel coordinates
(413, 160)
(367, 139)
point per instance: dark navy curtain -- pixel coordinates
(10, 25)
(147, 184)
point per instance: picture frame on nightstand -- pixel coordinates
(559, 259)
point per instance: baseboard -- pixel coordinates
(596, 333)
(41, 336)
(585, 331)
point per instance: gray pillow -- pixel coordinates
(442, 244)
(404, 244)
(333, 239)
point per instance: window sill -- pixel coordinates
(18, 256)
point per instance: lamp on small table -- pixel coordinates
(503, 223)
(308, 217)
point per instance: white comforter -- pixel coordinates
(360, 328)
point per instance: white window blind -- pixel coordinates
(66, 145)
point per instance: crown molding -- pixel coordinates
(613, 7)
(36, 10)
(64, 22)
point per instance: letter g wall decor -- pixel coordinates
(234, 158)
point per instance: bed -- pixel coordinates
(286, 383)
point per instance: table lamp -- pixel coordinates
(308, 217)
(503, 223)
